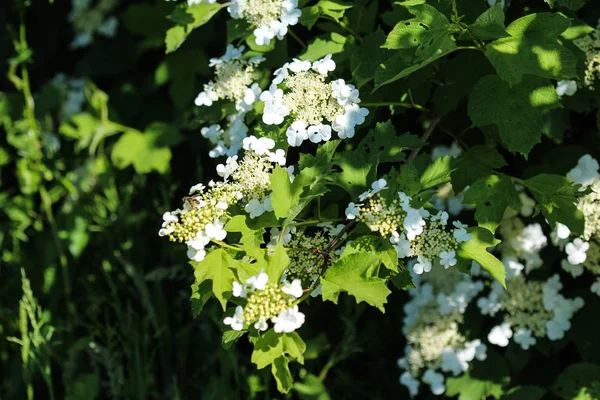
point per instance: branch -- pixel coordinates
(424, 138)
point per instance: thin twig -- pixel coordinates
(297, 38)
(424, 138)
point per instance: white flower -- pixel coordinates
(435, 381)
(294, 288)
(352, 211)
(452, 363)
(197, 188)
(441, 216)
(410, 382)
(576, 251)
(299, 65)
(109, 27)
(199, 241)
(196, 255)
(261, 324)
(562, 231)
(278, 157)
(524, 338)
(215, 230)
(230, 166)
(296, 133)
(288, 320)
(574, 270)
(566, 87)
(344, 124)
(413, 223)
(556, 328)
(237, 321)
(258, 282)
(448, 258)
(324, 66)
(586, 171)
(500, 335)
(422, 265)
(319, 133)
(206, 98)
(260, 146)
(263, 35)
(596, 287)
(275, 111)
(460, 233)
(454, 150)
(401, 244)
(251, 95)
(239, 290)
(281, 74)
(345, 94)
(513, 267)
(378, 185)
(489, 305)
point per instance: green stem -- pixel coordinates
(393, 103)
(228, 246)
(469, 48)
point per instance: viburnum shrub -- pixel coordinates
(321, 196)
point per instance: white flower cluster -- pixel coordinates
(590, 45)
(586, 174)
(266, 301)
(227, 142)
(88, 19)
(566, 88)
(431, 325)
(203, 216)
(413, 232)
(270, 18)
(315, 106)
(235, 80)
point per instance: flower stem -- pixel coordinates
(424, 138)
(394, 103)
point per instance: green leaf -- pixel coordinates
(365, 60)
(404, 63)
(578, 382)
(570, 4)
(518, 120)
(281, 373)
(556, 196)
(437, 172)
(251, 240)
(476, 249)
(277, 263)
(475, 163)
(311, 388)
(201, 293)
(200, 14)
(148, 151)
(319, 48)
(218, 267)
(382, 145)
(354, 274)
(485, 382)
(429, 35)
(429, 31)
(526, 392)
(489, 25)
(375, 245)
(533, 48)
(283, 199)
(272, 345)
(491, 196)
(330, 8)
(355, 172)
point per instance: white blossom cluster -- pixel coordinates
(431, 325)
(315, 106)
(88, 18)
(203, 216)
(590, 45)
(267, 301)
(270, 18)
(227, 142)
(235, 80)
(586, 173)
(413, 232)
(528, 311)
